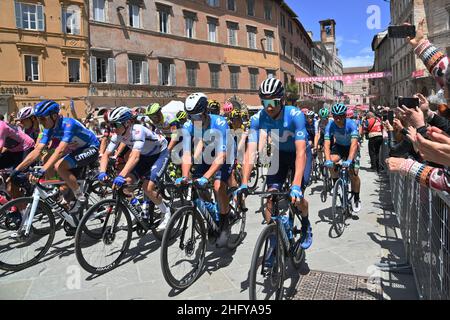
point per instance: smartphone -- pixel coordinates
(385, 117)
(401, 31)
(390, 117)
(410, 103)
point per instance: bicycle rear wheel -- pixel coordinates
(268, 266)
(103, 236)
(183, 252)
(338, 208)
(253, 180)
(18, 251)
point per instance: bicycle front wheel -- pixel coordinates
(103, 236)
(338, 208)
(267, 266)
(183, 251)
(17, 250)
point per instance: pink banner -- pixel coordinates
(347, 78)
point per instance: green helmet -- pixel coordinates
(152, 109)
(181, 115)
(324, 113)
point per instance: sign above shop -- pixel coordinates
(125, 93)
(14, 90)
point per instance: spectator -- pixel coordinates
(374, 128)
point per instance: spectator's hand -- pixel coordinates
(388, 126)
(398, 125)
(434, 151)
(395, 164)
(419, 34)
(412, 136)
(414, 116)
(433, 133)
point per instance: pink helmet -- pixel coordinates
(350, 113)
(227, 107)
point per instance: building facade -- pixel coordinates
(380, 89)
(357, 91)
(157, 51)
(44, 54)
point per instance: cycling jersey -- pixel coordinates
(33, 133)
(312, 129)
(344, 135)
(169, 120)
(140, 138)
(291, 127)
(14, 139)
(215, 133)
(72, 132)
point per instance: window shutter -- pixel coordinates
(130, 71)
(18, 10)
(111, 70)
(144, 77)
(173, 81)
(77, 17)
(160, 75)
(40, 17)
(93, 69)
(63, 20)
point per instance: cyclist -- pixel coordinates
(164, 123)
(227, 108)
(182, 117)
(78, 147)
(148, 158)
(201, 126)
(213, 107)
(240, 135)
(294, 150)
(323, 122)
(29, 123)
(346, 135)
(312, 127)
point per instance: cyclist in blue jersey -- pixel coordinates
(207, 133)
(323, 123)
(286, 127)
(78, 147)
(346, 136)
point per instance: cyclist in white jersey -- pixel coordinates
(148, 158)
(164, 123)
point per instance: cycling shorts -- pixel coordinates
(152, 167)
(223, 174)
(82, 157)
(342, 151)
(287, 161)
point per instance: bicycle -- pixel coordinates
(327, 182)
(341, 204)
(190, 240)
(278, 242)
(28, 224)
(112, 226)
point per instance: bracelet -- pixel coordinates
(413, 170)
(428, 54)
(423, 175)
(422, 44)
(419, 173)
(438, 59)
(427, 180)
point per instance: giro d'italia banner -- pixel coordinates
(348, 78)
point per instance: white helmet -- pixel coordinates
(120, 114)
(196, 103)
(25, 113)
(310, 113)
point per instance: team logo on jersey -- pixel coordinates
(300, 134)
(296, 113)
(221, 122)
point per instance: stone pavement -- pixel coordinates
(369, 240)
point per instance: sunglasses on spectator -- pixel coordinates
(271, 102)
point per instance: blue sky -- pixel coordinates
(353, 36)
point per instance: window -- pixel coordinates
(251, 35)
(29, 16)
(191, 73)
(291, 49)
(134, 16)
(163, 21)
(214, 70)
(103, 69)
(189, 27)
(232, 33)
(253, 78)
(71, 20)
(212, 31)
(31, 68)
(251, 7)
(267, 11)
(283, 45)
(99, 10)
(290, 27)
(282, 20)
(271, 74)
(269, 41)
(137, 71)
(74, 70)
(166, 73)
(231, 5)
(213, 3)
(234, 77)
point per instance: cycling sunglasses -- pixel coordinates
(271, 102)
(43, 119)
(196, 117)
(116, 125)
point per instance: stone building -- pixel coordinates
(380, 89)
(357, 91)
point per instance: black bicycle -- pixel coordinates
(278, 240)
(341, 205)
(183, 248)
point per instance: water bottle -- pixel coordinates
(145, 209)
(136, 204)
(287, 223)
(213, 210)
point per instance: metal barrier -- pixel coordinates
(423, 216)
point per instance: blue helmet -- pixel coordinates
(45, 108)
(339, 109)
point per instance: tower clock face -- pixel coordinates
(328, 30)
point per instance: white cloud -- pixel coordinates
(366, 51)
(339, 41)
(353, 41)
(357, 61)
